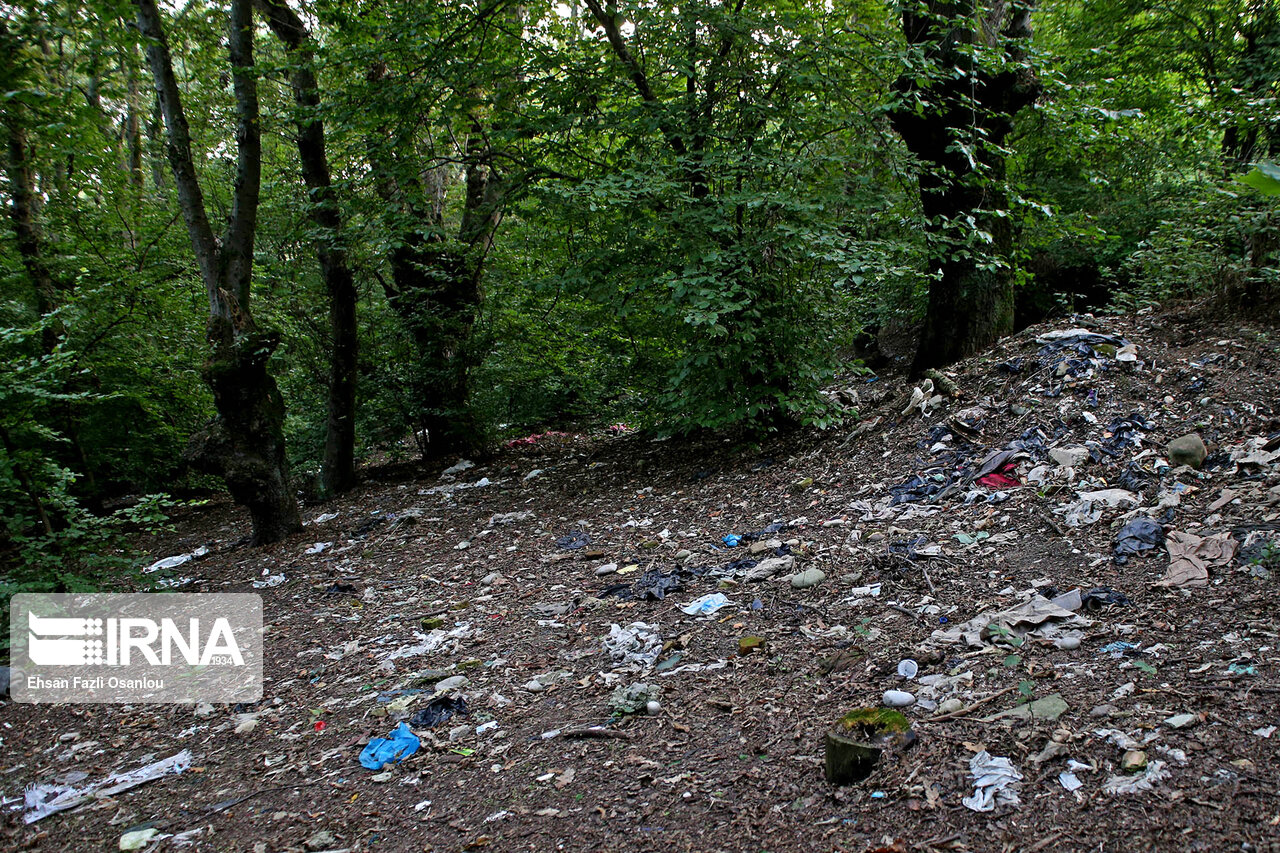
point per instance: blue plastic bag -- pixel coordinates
(401, 743)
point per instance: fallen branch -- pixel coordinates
(600, 734)
(971, 708)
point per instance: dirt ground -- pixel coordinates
(733, 758)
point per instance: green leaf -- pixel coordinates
(1265, 178)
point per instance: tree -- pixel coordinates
(968, 78)
(338, 473)
(245, 442)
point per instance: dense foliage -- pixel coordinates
(679, 215)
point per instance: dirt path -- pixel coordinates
(733, 757)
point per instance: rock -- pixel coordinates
(321, 840)
(766, 569)
(761, 546)
(1048, 708)
(1070, 457)
(1187, 450)
(808, 578)
(1068, 643)
(1181, 721)
(138, 839)
(455, 682)
(1133, 761)
(898, 699)
(950, 706)
(606, 569)
(491, 579)
(652, 707)
(1102, 710)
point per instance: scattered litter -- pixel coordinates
(318, 548)
(1069, 780)
(437, 711)
(573, 541)
(1038, 616)
(898, 699)
(457, 468)
(178, 560)
(140, 838)
(510, 517)
(1137, 537)
(1191, 557)
(638, 644)
(633, 698)
(706, 605)
(907, 668)
(269, 581)
(398, 745)
(995, 782)
(1131, 784)
(654, 585)
(42, 800)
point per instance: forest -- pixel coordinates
(255, 245)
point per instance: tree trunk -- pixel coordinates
(245, 442)
(338, 473)
(955, 124)
(24, 201)
(435, 285)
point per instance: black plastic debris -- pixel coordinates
(919, 488)
(1136, 538)
(654, 585)
(573, 541)
(1103, 596)
(339, 588)
(1125, 432)
(621, 591)
(1132, 480)
(437, 711)
(1012, 367)
(767, 531)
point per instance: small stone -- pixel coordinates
(1181, 721)
(1133, 761)
(898, 699)
(491, 579)
(766, 569)
(808, 578)
(760, 546)
(683, 554)
(1067, 643)
(1070, 457)
(1187, 450)
(247, 726)
(606, 569)
(138, 839)
(1102, 710)
(950, 706)
(652, 707)
(321, 840)
(455, 682)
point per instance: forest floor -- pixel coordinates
(428, 578)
